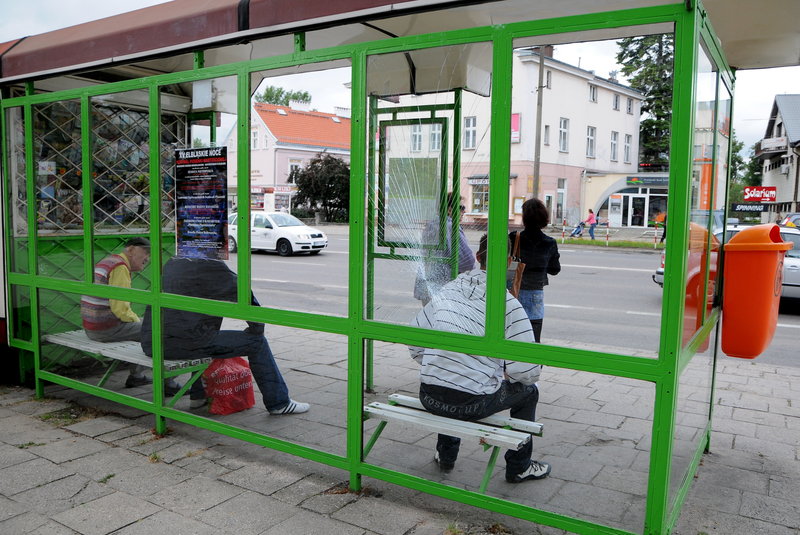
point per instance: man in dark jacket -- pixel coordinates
(188, 335)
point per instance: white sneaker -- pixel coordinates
(197, 403)
(294, 407)
(536, 470)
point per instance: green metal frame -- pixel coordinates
(690, 26)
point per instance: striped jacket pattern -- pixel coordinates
(96, 311)
(460, 307)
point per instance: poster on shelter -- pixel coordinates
(201, 192)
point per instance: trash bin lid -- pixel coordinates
(758, 238)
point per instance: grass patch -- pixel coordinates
(29, 445)
(154, 457)
(70, 415)
(106, 478)
(601, 242)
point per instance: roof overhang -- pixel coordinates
(752, 34)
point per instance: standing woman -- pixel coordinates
(592, 222)
(540, 255)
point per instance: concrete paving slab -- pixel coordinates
(107, 514)
(108, 461)
(195, 495)
(263, 479)
(24, 523)
(248, 513)
(146, 478)
(11, 508)
(30, 474)
(62, 494)
(311, 524)
(380, 516)
(53, 528)
(99, 426)
(14, 454)
(169, 522)
(68, 449)
(303, 489)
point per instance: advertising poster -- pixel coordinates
(201, 190)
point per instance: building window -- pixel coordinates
(254, 140)
(547, 134)
(627, 148)
(480, 199)
(470, 132)
(294, 165)
(592, 93)
(614, 143)
(416, 137)
(266, 141)
(548, 77)
(591, 133)
(616, 102)
(436, 136)
(629, 107)
(563, 134)
(561, 195)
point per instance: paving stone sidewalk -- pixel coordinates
(67, 469)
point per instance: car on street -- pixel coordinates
(279, 232)
(791, 220)
(791, 262)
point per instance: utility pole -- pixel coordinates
(537, 154)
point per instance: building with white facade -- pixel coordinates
(283, 138)
(778, 152)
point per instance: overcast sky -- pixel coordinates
(755, 90)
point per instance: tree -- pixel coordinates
(324, 185)
(648, 63)
(280, 96)
(743, 173)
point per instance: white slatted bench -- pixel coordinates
(493, 432)
(129, 352)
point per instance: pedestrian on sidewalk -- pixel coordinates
(592, 222)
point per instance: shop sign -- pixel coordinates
(644, 180)
(774, 143)
(760, 193)
(748, 207)
(285, 188)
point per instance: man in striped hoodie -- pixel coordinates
(471, 387)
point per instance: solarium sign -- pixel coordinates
(760, 193)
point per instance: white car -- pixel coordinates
(278, 231)
(791, 262)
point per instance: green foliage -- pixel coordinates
(280, 96)
(648, 63)
(324, 185)
(197, 142)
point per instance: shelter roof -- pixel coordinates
(308, 128)
(752, 34)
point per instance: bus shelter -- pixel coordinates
(92, 147)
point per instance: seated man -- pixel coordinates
(112, 320)
(471, 387)
(191, 335)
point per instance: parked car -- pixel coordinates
(280, 232)
(791, 262)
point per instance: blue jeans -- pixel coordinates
(228, 344)
(520, 398)
(591, 230)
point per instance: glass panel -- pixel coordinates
(581, 187)
(419, 203)
(723, 130)
(692, 413)
(299, 144)
(597, 431)
(286, 364)
(21, 313)
(18, 194)
(700, 221)
(195, 170)
(59, 216)
(91, 319)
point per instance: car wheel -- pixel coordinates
(231, 245)
(314, 252)
(284, 248)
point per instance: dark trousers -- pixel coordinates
(520, 398)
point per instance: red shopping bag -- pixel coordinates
(229, 384)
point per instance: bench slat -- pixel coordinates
(493, 436)
(125, 351)
(534, 428)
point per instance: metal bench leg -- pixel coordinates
(185, 388)
(374, 438)
(489, 469)
(111, 369)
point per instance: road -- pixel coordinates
(603, 299)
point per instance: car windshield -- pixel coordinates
(232, 219)
(286, 220)
(795, 239)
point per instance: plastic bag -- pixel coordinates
(229, 384)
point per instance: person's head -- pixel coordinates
(591, 211)
(534, 214)
(454, 204)
(480, 254)
(138, 252)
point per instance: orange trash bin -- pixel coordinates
(752, 291)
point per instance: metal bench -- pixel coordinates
(492, 432)
(129, 352)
